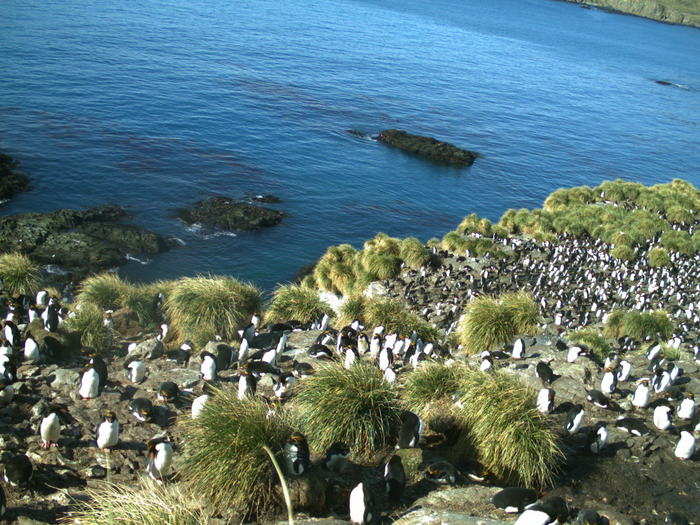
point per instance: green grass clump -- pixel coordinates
(413, 252)
(224, 461)
(355, 406)
(18, 274)
(87, 321)
(292, 301)
(623, 252)
(141, 299)
(352, 309)
(432, 382)
(678, 241)
(472, 223)
(147, 503)
(104, 290)
(640, 326)
(593, 339)
(510, 438)
(201, 307)
(490, 321)
(658, 256)
(395, 317)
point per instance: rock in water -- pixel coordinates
(12, 181)
(229, 214)
(428, 147)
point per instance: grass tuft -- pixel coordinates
(293, 301)
(355, 406)
(224, 460)
(147, 503)
(593, 339)
(641, 326)
(87, 321)
(18, 274)
(658, 257)
(201, 307)
(105, 291)
(432, 382)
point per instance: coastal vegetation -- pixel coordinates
(686, 12)
(200, 308)
(433, 382)
(18, 274)
(87, 320)
(224, 461)
(640, 326)
(355, 406)
(490, 321)
(593, 339)
(293, 301)
(106, 291)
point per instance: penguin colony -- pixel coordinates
(579, 294)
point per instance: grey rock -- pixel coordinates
(436, 517)
(149, 349)
(65, 378)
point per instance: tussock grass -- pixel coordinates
(355, 406)
(18, 274)
(105, 290)
(145, 503)
(678, 241)
(223, 458)
(395, 317)
(87, 321)
(413, 252)
(623, 252)
(432, 382)
(141, 299)
(201, 307)
(593, 339)
(639, 325)
(353, 308)
(292, 301)
(490, 321)
(658, 257)
(511, 439)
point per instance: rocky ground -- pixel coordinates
(427, 147)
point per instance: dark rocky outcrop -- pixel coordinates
(229, 214)
(12, 181)
(428, 147)
(78, 240)
(266, 199)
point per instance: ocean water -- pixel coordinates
(154, 105)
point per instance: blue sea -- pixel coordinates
(154, 105)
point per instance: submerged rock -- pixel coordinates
(229, 214)
(78, 240)
(428, 147)
(12, 181)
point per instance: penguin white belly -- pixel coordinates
(242, 388)
(198, 405)
(137, 371)
(108, 434)
(357, 505)
(625, 369)
(543, 401)
(31, 350)
(89, 384)
(687, 409)
(533, 517)
(607, 385)
(686, 446)
(50, 429)
(384, 360)
(208, 369)
(641, 397)
(661, 420)
(162, 463)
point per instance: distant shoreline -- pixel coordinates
(656, 10)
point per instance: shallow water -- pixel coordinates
(156, 104)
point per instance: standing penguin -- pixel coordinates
(208, 366)
(518, 350)
(89, 383)
(544, 373)
(686, 446)
(11, 333)
(336, 456)
(598, 437)
(160, 458)
(574, 417)
(50, 428)
(31, 349)
(624, 370)
(108, 431)
(247, 384)
(199, 402)
(296, 454)
(394, 478)
(641, 394)
(662, 417)
(386, 358)
(686, 410)
(545, 400)
(410, 430)
(361, 511)
(608, 384)
(135, 369)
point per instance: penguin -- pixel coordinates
(107, 320)
(632, 426)
(7, 391)
(653, 352)
(361, 511)
(319, 351)
(247, 384)
(362, 344)
(350, 357)
(31, 349)
(181, 355)
(608, 384)
(281, 386)
(89, 384)
(18, 470)
(162, 332)
(224, 357)
(545, 400)
(686, 409)
(598, 437)
(389, 375)
(208, 367)
(386, 358)
(662, 417)
(394, 478)
(141, 408)
(574, 353)
(168, 392)
(486, 364)
(50, 429)
(108, 431)
(336, 456)
(661, 380)
(375, 346)
(442, 473)
(243, 351)
(135, 369)
(686, 446)
(410, 430)
(551, 509)
(11, 333)
(574, 417)
(51, 320)
(518, 350)
(514, 499)
(296, 454)
(160, 458)
(100, 367)
(544, 373)
(599, 399)
(640, 399)
(42, 298)
(200, 401)
(624, 370)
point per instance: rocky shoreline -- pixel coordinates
(652, 9)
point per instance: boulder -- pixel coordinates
(65, 378)
(435, 517)
(428, 147)
(229, 214)
(149, 349)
